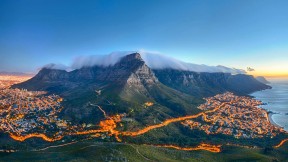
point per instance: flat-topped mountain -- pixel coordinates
(130, 69)
(128, 84)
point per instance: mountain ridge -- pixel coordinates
(130, 83)
(262, 79)
(126, 85)
(153, 60)
(15, 73)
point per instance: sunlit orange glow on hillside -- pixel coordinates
(43, 136)
(148, 104)
(167, 122)
(202, 146)
(110, 123)
(281, 143)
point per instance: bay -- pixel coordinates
(276, 100)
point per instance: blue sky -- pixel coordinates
(235, 33)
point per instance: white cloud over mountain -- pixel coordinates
(153, 60)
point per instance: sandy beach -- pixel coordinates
(277, 101)
(271, 120)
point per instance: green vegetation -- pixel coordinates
(124, 89)
(99, 151)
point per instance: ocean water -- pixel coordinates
(277, 100)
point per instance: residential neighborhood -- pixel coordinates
(23, 112)
(240, 117)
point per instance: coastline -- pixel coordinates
(270, 114)
(271, 120)
(278, 108)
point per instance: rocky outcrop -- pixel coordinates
(129, 84)
(131, 69)
(51, 75)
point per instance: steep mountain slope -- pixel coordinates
(153, 60)
(126, 86)
(208, 84)
(245, 84)
(122, 88)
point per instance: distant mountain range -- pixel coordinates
(262, 79)
(126, 85)
(14, 73)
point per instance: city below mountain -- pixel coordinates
(129, 103)
(184, 81)
(130, 80)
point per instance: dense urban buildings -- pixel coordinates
(240, 117)
(27, 114)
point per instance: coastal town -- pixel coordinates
(240, 117)
(23, 112)
(27, 114)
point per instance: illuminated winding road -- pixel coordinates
(109, 125)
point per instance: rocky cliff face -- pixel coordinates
(131, 69)
(130, 83)
(142, 74)
(51, 75)
(206, 84)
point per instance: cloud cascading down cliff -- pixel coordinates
(153, 60)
